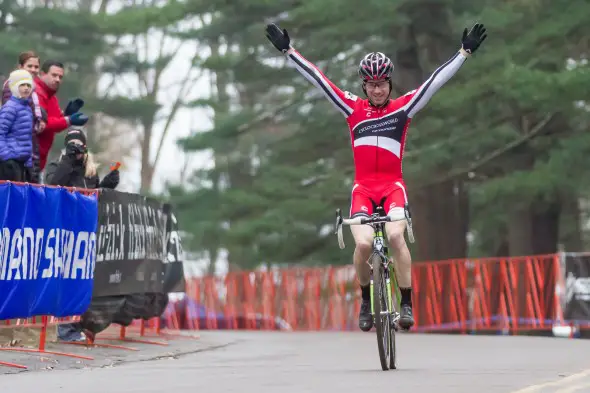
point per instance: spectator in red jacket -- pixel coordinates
(47, 85)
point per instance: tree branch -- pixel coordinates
(103, 6)
(185, 168)
(184, 91)
(493, 155)
(159, 68)
(275, 111)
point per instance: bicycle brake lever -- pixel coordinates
(409, 228)
(338, 221)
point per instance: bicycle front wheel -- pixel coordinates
(382, 315)
(394, 310)
(392, 349)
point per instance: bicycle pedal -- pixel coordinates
(393, 323)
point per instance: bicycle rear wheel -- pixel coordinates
(382, 321)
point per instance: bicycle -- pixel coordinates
(381, 279)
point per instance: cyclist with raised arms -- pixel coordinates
(378, 127)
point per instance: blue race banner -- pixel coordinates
(47, 251)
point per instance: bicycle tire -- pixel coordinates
(382, 324)
(393, 347)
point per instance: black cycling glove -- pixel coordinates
(111, 180)
(472, 40)
(280, 39)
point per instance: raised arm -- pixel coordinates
(421, 96)
(343, 101)
(424, 93)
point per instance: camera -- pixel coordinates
(73, 149)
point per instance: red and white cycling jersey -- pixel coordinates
(378, 135)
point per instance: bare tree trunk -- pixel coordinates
(520, 236)
(147, 170)
(212, 267)
(571, 228)
(222, 99)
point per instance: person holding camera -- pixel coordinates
(77, 168)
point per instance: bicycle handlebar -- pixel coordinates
(366, 220)
(370, 220)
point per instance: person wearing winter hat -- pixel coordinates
(77, 167)
(16, 129)
(29, 61)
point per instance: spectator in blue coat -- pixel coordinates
(16, 129)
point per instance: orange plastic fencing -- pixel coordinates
(497, 295)
(305, 299)
(508, 294)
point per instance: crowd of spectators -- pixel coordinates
(30, 118)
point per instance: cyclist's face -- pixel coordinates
(378, 91)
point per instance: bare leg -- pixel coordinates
(400, 251)
(363, 237)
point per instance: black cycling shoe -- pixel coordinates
(406, 319)
(365, 317)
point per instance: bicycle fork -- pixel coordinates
(390, 309)
(387, 280)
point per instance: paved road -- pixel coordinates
(337, 362)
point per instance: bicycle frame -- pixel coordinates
(385, 271)
(377, 221)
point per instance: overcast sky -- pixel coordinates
(185, 122)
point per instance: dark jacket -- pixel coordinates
(16, 128)
(68, 172)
